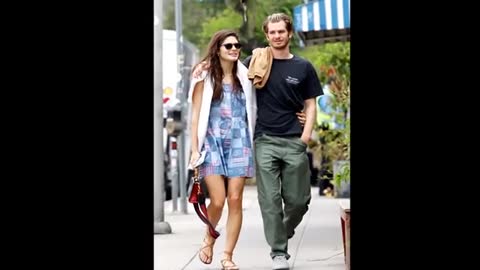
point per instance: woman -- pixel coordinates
(222, 121)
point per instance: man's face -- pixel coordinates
(277, 35)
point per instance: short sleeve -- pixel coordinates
(311, 86)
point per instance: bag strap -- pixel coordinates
(200, 207)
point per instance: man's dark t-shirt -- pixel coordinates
(291, 81)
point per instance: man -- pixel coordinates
(282, 167)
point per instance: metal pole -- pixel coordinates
(183, 172)
(174, 172)
(182, 97)
(159, 226)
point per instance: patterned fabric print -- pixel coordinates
(227, 143)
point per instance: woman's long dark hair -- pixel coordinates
(215, 68)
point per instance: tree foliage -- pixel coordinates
(194, 13)
(328, 55)
(228, 19)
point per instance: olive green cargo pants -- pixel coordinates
(282, 175)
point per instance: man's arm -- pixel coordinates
(246, 61)
(311, 112)
(198, 69)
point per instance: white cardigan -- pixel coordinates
(250, 97)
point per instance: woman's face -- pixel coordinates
(230, 49)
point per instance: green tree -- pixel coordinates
(324, 56)
(228, 19)
(247, 9)
(194, 12)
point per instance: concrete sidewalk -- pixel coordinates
(317, 243)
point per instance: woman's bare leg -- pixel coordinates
(235, 214)
(216, 190)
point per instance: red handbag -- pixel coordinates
(197, 198)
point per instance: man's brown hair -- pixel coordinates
(277, 17)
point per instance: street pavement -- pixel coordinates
(317, 243)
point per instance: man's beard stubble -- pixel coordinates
(280, 47)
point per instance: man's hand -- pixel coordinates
(305, 139)
(199, 68)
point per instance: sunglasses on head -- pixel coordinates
(228, 46)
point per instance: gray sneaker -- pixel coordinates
(280, 263)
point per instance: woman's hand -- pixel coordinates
(302, 118)
(194, 158)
